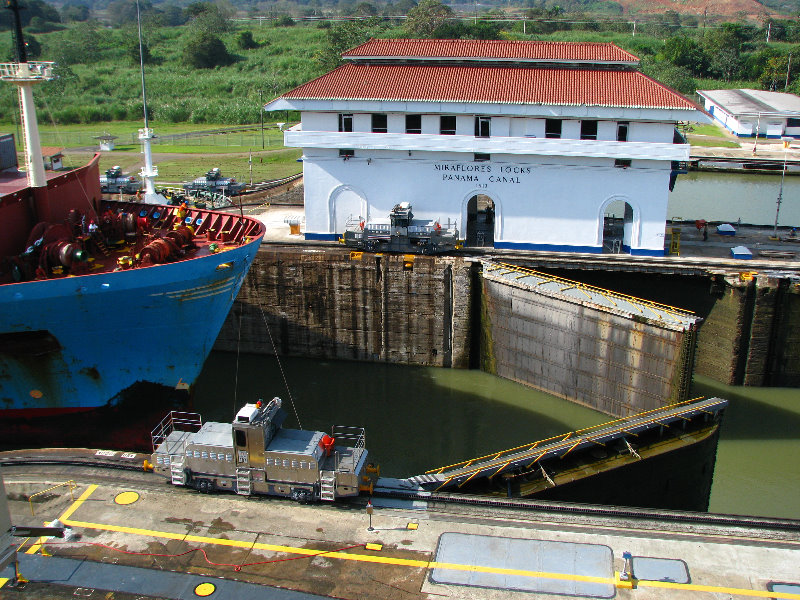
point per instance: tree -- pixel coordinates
(124, 12)
(344, 36)
(678, 78)
(245, 41)
(206, 52)
(683, 51)
(366, 9)
(460, 30)
(32, 47)
(725, 46)
(284, 21)
(75, 12)
(208, 18)
(79, 44)
(773, 75)
(172, 15)
(424, 18)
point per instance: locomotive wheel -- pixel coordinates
(301, 496)
(204, 486)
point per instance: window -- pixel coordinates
(379, 123)
(478, 157)
(588, 130)
(482, 126)
(345, 122)
(346, 153)
(552, 128)
(622, 131)
(241, 438)
(447, 125)
(622, 163)
(793, 122)
(204, 454)
(413, 123)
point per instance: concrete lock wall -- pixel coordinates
(604, 360)
(752, 334)
(321, 303)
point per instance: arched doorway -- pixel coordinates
(346, 204)
(617, 227)
(480, 221)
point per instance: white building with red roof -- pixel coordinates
(525, 145)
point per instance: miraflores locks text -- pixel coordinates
(482, 173)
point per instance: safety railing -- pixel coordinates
(70, 484)
(569, 440)
(643, 306)
(175, 421)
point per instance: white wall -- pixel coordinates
(555, 202)
(501, 126)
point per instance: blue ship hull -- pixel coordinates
(83, 341)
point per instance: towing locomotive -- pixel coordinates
(401, 233)
(256, 455)
(114, 182)
(216, 183)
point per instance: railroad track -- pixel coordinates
(563, 513)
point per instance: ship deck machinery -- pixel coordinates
(255, 455)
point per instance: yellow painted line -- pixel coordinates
(63, 518)
(77, 504)
(36, 545)
(3, 581)
(403, 562)
(717, 589)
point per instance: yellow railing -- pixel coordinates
(567, 284)
(71, 484)
(567, 437)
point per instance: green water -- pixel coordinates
(728, 197)
(419, 418)
(758, 461)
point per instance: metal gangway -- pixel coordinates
(527, 456)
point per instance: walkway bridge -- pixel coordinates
(531, 457)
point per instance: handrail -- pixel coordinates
(582, 286)
(564, 443)
(562, 437)
(72, 485)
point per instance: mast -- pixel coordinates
(149, 171)
(24, 75)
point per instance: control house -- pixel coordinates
(554, 146)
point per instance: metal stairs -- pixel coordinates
(327, 486)
(243, 481)
(176, 471)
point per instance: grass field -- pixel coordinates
(175, 169)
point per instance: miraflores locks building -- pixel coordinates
(525, 145)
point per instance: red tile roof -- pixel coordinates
(504, 85)
(492, 49)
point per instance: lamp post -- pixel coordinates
(786, 141)
(261, 114)
(758, 127)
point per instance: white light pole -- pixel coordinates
(786, 141)
(758, 127)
